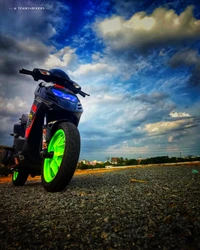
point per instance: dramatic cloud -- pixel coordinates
(122, 115)
(184, 58)
(15, 54)
(188, 58)
(162, 28)
(194, 79)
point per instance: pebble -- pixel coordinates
(160, 209)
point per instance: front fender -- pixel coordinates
(51, 127)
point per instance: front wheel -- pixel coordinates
(19, 177)
(59, 170)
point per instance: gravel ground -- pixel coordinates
(139, 208)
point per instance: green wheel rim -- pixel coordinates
(15, 174)
(52, 165)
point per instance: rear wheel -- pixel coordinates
(59, 170)
(7, 156)
(19, 177)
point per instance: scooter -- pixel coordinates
(47, 140)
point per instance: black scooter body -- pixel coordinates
(47, 111)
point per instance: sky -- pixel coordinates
(138, 60)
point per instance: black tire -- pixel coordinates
(69, 159)
(5, 159)
(19, 177)
(7, 156)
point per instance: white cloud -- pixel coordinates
(170, 139)
(94, 69)
(6, 125)
(166, 126)
(143, 31)
(61, 58)
(13, 106)
(179, 114)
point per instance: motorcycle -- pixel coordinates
(47, 140)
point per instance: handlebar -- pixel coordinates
(83, 94)
(26, 72)
(39, 74)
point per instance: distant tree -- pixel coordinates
(125, 161)
(107, 163)
(172, 160)
(131, 162)
(121, 161)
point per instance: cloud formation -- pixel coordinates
(188, 58)
(93, 69)
(13, 107)
(167, 126)
(184, 58)
(61, 58)
(15, 54)
(152, 98)
(141, 32)
(194, 79)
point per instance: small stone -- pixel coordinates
(68, 236)
(104, 235)
(106, 219)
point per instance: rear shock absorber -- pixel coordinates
(44, 153)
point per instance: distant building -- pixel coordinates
(95, 162)
(114, 160)
(139, 160)
(92, 163)
(84, 162)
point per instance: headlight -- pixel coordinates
(64, 95)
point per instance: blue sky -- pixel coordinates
(138, 60)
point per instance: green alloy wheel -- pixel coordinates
(59, 170)
(15, 174)
(51, 165)
(19, 177)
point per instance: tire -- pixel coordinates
(5, 159)
(19, 177)
(7, 156)
(59, 170)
